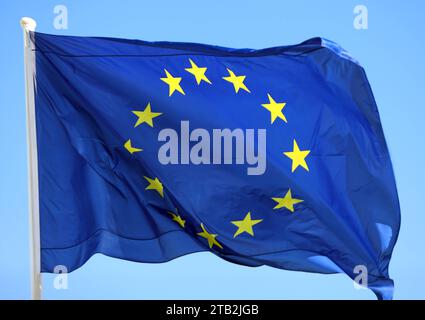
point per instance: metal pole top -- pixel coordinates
(28, 23)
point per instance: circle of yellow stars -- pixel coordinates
(297, 156)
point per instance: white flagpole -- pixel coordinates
(28, 25)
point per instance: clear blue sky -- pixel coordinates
(391, 51)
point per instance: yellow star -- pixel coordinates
(173, 82)
(275, 109)
(146, 116)
(155, 184)
(199, 73)
(130, 148)
(298, 157)
(286, 202)
(177, 218)
(210, 237)
(237, 81)
(245, 225)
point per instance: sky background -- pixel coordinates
(391, 51)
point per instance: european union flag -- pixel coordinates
(148, 151)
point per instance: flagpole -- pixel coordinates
(28, 25)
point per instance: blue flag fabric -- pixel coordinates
(148, 151)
